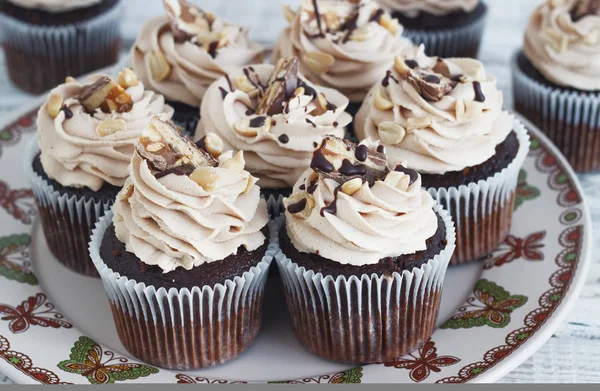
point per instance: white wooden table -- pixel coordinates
(573, 354)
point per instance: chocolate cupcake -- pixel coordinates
(46, 40)
(344, 45)
(182, 255)
(276, 117)
(366, 251)
(86, 137)
(447, 28)
(181, 53)
(445, 117)
(555, 78)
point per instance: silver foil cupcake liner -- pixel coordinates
(571, 119)
(454, 42)
(483, 211)
(184, 329)
(40, 57)
(67, 221)
(364, 318)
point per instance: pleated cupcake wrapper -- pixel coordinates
(455, 42)
(274, 205)
(184, 328)
(483, 211)
(67, 221)
(40, 57)
(570, 119)
(366, 318)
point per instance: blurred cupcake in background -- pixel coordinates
(46, 40)
(447, 28)
(556, 78)
(181, 53)
(187, 246)
(445, 117)
(78, 164)
(366, 250)
(276, 117)
(346, 45)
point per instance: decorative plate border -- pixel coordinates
(489, 302)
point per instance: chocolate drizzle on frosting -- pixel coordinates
(297, 207)
(479, 96)
(412, 174)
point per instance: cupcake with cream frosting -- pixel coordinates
(276, 117)
(181, 53)
(344, 45)
(86, 137)
(187, 230)
(447, 28)
(358, 228)
(46, 40)
(445, 117)
(555, 78)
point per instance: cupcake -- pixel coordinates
(345, 45)
(78, 164)
(181, 53)
(445, 117)
(556, 79)
(276, 117)
(365, 255)
(182, 254)
(46, 40)
(447, 28)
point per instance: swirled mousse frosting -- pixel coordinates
(54, 5)
(438, 114)
(86, 133)
(563, 42)
(345, 45)
(433, 7)
(184, 206)
(275, 116)
(180, 54)
(355, 206)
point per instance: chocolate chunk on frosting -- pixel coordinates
(166, 148)
(337, 159)
(186, 20)
(583, 8)
(283, 83)
(107, 95)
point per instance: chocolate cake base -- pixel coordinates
(186, 117)
(116, 257)
(427, 21)
(374, 317)
(554, 110)
(506, 152)
(40, 17)
(386, 266)
(192, 331)
(68, 234)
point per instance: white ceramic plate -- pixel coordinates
(56, 326)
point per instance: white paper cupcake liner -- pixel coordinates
(67, 221)
(455, 42)
(366, 318)
(569, 118)
(274, 205)
(40, 57)
(483, 211)
(184, 328)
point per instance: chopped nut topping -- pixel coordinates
(110, 126)
(205, 177)
(236, 163)
(159, 66)
(391, 133)
(127, 78)
(381, 100)
(70, 79)
(212, 144)
(187, 20)
(398, 179)
(107, 95)
(300, 204)
(166, 148)
(352, 186)
(252, 125)
(318, 62)
(54, 104)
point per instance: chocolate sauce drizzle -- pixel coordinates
(310, 122)
(412, 174)
(257, 122)
(319, 162)
(284, 138)
(212, 48)
(302, 187)
(68, 112)
(377, 15)
(297, 207)
(386, 80)
(361, 152)
(412, 64)
(349, 169)
(479, 97)
(229, 83)
(380, 149)
(249, 72)
(318, 18)
(223, 92)
(312, 187)
(332, 207)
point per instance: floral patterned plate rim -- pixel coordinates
(520, 294)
